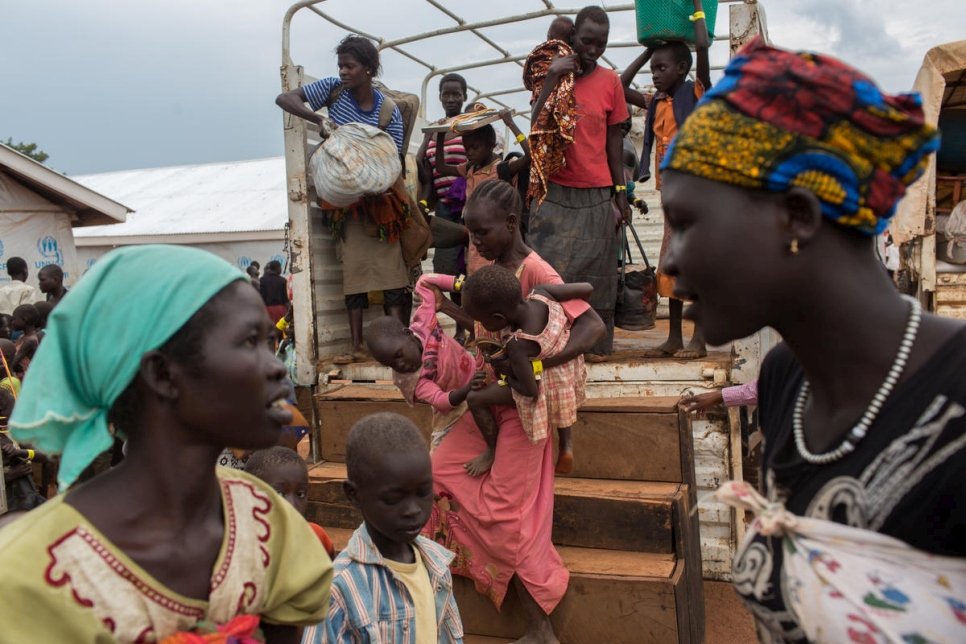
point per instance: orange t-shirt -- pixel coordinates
(665, 127)
(476, 176)
(600, 104)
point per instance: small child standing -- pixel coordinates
(676, 98)
(285, 471)
(482, 165)
(390, 583)
(544, 399)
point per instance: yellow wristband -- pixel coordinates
(502, 381)
(31, 454)
(620, 188)
(521, 137)
(458, 284)
(537, 368)
(282, 324)
(697, 15)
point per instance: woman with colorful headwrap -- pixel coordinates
(774, 188)
(181, 366)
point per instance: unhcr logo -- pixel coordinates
(49, 251)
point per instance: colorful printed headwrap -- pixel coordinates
(781, 119)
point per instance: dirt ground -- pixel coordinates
(727, 621)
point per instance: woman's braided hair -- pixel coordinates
(500, 195)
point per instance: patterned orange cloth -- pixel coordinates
(562, 388)
(554, 127)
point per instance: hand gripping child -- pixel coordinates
(545, 399)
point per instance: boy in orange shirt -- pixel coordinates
(675, 99)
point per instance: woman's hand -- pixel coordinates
(562, 65)
(620, 201)
(691, 403)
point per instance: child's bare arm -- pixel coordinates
(444, 169)
(516, 165)
(492, 394)
(702, 43)
(636, 98)
(521, 377)
(568, 291)
(627, 76)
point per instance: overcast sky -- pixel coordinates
(104, 85)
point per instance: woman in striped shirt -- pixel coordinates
(368, 263)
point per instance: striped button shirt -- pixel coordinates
(455, 155)
(369, 605)
(345, 109)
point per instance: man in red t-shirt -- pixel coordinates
(575, 227)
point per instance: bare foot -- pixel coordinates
(565, 462)
(666, 350)
(481, 464)
(594, 358)
(696, 349)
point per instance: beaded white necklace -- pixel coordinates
(858, 432)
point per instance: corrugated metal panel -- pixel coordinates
(242, 196)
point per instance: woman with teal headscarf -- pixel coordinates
(180, 364)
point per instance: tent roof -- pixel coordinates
(235, 197)
(90, 207)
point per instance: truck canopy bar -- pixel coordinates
(478, 31)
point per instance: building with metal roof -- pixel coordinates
(237, 210)
(39, 210)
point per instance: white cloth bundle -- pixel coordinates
(846, 584)
(356, 160)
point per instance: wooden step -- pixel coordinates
(607, 514)
(629, 438)
(612, 597)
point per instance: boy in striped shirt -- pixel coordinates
(390, 585)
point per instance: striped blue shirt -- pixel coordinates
(347, 110)
(369, 605)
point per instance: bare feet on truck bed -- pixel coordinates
(481, 464)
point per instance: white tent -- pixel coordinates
(237, 210)
(39, 207)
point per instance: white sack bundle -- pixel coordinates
(356, 160)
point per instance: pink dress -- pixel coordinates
(500, 524)
(561, 389)
(447, 365)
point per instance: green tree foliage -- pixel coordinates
(29, 149)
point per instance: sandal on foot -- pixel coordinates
(345, 358)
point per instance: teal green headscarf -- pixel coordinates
(131, 302)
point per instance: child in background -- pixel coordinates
(286, 472)
(8, 380)
(26, 320)
(390, 583)
(675, 99)
(482, 165)
(562, 29)
(544, 399)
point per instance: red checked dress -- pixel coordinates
(561, 388)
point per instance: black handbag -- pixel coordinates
(636, 308)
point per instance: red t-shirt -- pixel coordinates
(600, 103)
